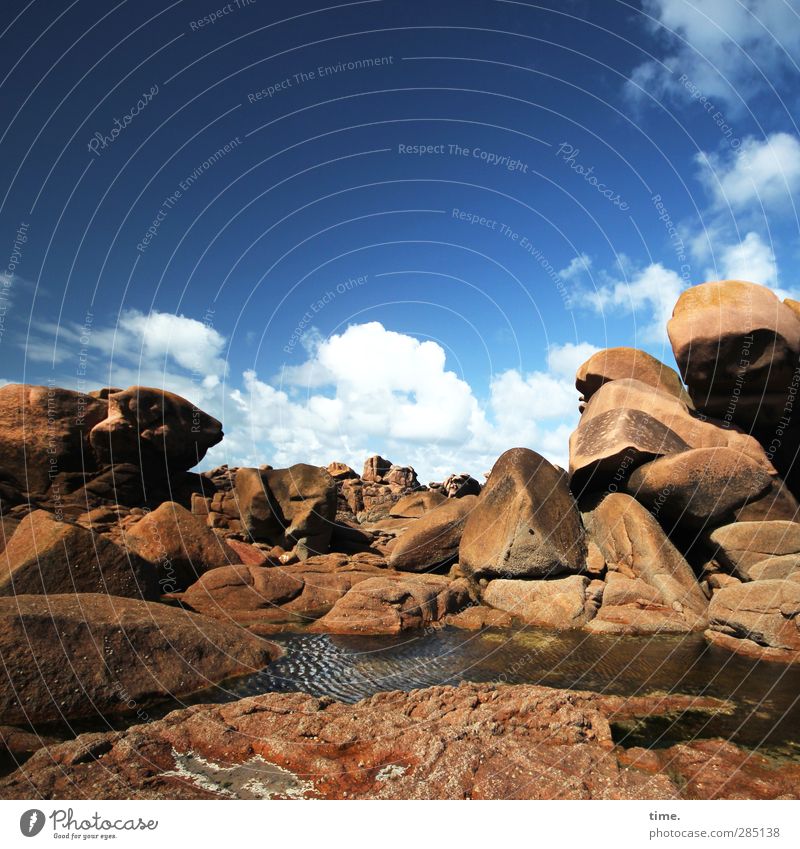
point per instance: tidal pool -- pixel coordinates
(766, 696)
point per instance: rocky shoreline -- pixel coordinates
(126, 578)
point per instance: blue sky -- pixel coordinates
(391, 227)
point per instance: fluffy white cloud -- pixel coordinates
(648, 295)
(371, 390)
(765, 172)
(751, 259)
(727, 48)
(157, 349)
(577, 266)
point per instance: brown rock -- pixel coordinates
(627, 423)
(634, 544)
(699, 486)
(476, 617)
(416, 504)
(179, 545)
(559, 604)
(340, 471)
(743, 544)
(736, 344)
(294, 507)
(776, 504)
(759, 619)
(605, 448)
(457, 486)
(475, 741)
(620, 363)
(432, 541)
(247, 553)
(279, 595)
(72, 656)
(375, 468)
(773, 568)
(49, 556)
(44, 431)
(525, 523)
(393, 603)
(154, 429)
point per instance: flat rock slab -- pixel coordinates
(479, 741)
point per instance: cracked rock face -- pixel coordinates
(472, 741)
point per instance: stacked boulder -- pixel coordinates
(682, 489)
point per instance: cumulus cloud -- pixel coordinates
(647, 294)
(370, 389)
(158, 349)
(728, 49)
(751, 259)
(762, 173)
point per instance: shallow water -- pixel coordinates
(766, 695)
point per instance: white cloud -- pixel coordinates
(647, 294)
(158, 349)
(722, 46)
(370, 390)
(751, 259)
(577, 266)
(763, 172)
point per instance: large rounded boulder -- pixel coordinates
(620, 363)
(736, 346)
(155, 429)
(525, 523)
(88, 655)
(46, 555)
(699, 486)
(432, 542)
(44, 431)
(292, 508)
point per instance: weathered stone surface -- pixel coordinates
(699, 486)
(717, 769)
(278, 595)
(394, 602)
(475, 741)
(46, 555)
(605, 448)
(375, 468)
(72, 656)
(732, 335)
(743, 544)
(340, 471)
(17, 745)
(775, 568)
(476, 617)
(44, 431)
(416, 504)
(634, 544)
(760, 619)
(560, 603)
(525, 523)
(627, 423)
(155, 429)
(293, 508)
(432, 541)
(178, 544)
(459, 485)
(777, 504)
(620, 363)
